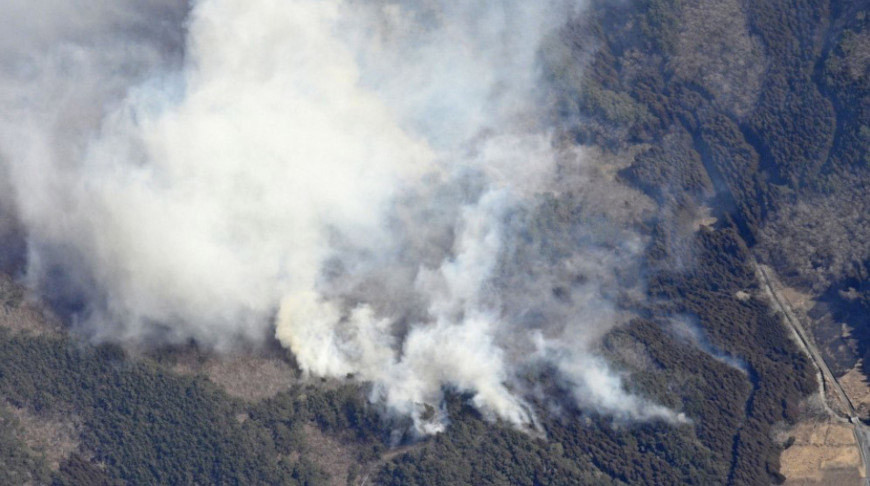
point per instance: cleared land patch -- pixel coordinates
(856, 386)
(244, 376)
(822, 453)
(20, 313)
(55, 438)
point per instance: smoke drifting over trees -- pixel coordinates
(379, 183)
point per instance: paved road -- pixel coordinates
(829, 382)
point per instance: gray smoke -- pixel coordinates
(376, 181)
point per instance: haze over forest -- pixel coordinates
(434, 242)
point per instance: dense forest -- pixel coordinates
(756, 111)
(142, 424)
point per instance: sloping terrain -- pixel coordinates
(748, 125)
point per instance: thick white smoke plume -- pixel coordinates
(375, 181)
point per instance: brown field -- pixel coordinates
(830, 477)
(822, 453)
(855, 385)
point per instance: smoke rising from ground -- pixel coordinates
(377, 181)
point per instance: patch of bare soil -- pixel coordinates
(330, 455)
(370, 469)
(609, 164)
(704, 218)
(250, 377)
(822, 452)
(856, 386)
(21, 313)
(799, 301)
(54, 437)
(341, 461)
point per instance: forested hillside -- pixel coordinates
(747, 122)
(755, 112)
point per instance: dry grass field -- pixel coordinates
(855, 384)
(822, 454)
